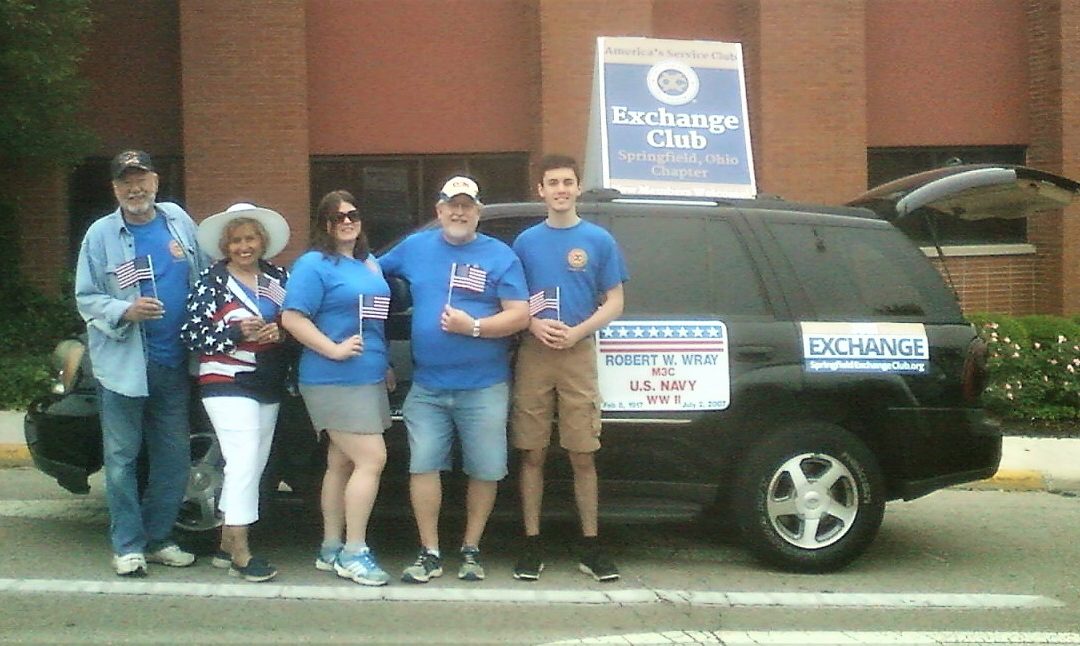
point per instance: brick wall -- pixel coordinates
(244, 67)
(568, 33)
(39, 194)
(809, 86)
(1000, 284)
(1054, 102)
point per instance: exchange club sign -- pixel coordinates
(671, 119)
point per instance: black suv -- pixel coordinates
(839, 371)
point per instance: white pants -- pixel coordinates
(245, 429)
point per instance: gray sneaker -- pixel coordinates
(133, 564)
(171, 555)
(426, 567)
(470, 569)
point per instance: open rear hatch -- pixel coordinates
(971, 192)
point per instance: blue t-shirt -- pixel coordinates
(444, 360)
(170, 286)
(327, 290)
(582, 261)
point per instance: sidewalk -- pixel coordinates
(1027, 463)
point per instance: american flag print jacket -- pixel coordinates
(229, 365)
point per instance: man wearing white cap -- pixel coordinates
(469, 295)
(135, 268)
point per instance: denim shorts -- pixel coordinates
(479, 417)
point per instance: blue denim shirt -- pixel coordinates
(116, 345)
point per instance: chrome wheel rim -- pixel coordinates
(812, 501)
(199, 512)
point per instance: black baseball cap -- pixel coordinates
(129, 159)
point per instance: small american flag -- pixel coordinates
(468, 277)
(374, 307)
(270, 288)
(545, 299)
(134, 270)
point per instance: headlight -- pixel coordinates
(67, 357)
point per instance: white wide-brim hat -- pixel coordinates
(277, 229)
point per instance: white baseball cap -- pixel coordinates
(459, 185)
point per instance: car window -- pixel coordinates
(507, 228)
(864, 273)
(685, 264)
(736, 285)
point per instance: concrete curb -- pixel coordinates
(13, 451)
(1011, 480)
(14, 455)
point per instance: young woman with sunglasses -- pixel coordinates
(344, 377)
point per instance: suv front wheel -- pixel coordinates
(809, 498)
(199, 511)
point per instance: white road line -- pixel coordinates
(830, 637)
(437, 593)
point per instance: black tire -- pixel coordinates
(809, 527)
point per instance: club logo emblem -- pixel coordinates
(673, 83)
(577, 259)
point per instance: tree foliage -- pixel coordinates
(41, 44)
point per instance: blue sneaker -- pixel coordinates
(361, 568)
(326, 559)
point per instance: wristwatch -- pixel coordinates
(476, 328)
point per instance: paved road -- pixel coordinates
(970, 566)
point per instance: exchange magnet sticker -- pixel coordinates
(864, 347)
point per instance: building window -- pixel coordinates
(397, 193)
(887, 164)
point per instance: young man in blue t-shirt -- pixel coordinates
(469, 296)
(575, 273)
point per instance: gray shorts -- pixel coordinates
(350, 409)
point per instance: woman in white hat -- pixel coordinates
(233, 314)
(337, 309)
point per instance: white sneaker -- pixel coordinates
(133, 564)
(171, 555)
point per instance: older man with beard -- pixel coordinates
(135, 268)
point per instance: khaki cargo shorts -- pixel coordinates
(545, 378)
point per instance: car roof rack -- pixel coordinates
(761, 201)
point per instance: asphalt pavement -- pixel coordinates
(1027, 463)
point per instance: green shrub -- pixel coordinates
(1005, 326)
(22, 379)
(1045, 329)
(1033, 366)
(31, 324)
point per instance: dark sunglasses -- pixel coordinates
(338, 218)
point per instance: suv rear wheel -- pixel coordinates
(809, 498)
